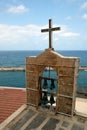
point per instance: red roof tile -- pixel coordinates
(10, 100)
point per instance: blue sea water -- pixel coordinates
(18, 59)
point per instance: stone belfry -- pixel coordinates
(66, 69)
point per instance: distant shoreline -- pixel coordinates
(12, 68)
(81, 68)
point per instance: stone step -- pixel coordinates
(23, 120)
(51, 124)
(36, 122)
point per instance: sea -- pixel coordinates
(18, 59)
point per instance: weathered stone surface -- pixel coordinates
(81, 120)
(23, 120)
(51, 124)
(77, 127)
(65, 105)
(67, 70)
(65, 124)
(32, 97)
(60, 129)
(36, 122)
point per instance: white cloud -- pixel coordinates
(84, 5)
(84, 16)
(17, 9)
(16, 35)
(65, 33)
(70, 35)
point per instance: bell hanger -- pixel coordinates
(52, 86)
(45, 84)
(52, 101)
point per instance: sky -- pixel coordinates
(21, 22)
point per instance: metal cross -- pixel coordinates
(50, 29)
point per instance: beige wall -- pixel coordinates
(67, 70)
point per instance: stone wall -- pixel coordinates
(67, 70)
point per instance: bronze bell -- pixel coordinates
(44, 98)
(52, 101)
(45, 84)
(52, 84)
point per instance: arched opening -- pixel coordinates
(48, 88)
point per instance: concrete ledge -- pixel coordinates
(13, 116)
(81, 107)
(81, 114)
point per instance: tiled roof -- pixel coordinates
(10, 100)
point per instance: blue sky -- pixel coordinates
(21, 22)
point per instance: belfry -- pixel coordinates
(52, 79)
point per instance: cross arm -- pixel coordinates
(45, 30)
(57, 28)
(50, 29)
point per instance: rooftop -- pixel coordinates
(15, 115)
(32, 119)
(10, 100)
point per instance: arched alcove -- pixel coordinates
(48, 80)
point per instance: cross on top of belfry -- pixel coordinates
(50, 29)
